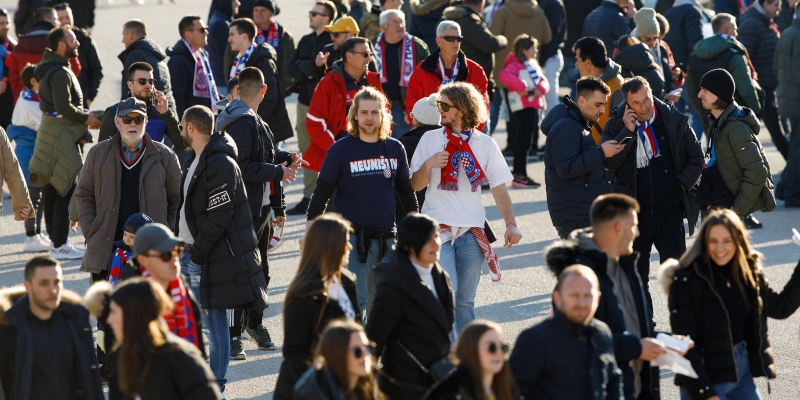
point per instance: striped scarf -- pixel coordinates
(241, 61)
(648, 144)
(181, 322)
(121, 256)
(203, 85)
(271, 37)
(407, 57)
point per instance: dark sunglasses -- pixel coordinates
(452, 39)
(364, 54)
(143, 81)
(362, 351)
(314, 14)
(202, 29)
(444, 106)
(127, 120)
(493, 347)
(176, 251)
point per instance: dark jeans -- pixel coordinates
(56, 214)
(263, 229)
(33, 226)
(565, 229)
(664, 230)
(769, 113)
(527, 123)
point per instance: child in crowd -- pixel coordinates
(123, 249)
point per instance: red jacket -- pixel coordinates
(426, 80)
(327, 114)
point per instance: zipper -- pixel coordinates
(728, 318)
(220, 188)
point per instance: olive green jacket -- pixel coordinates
(742, 162)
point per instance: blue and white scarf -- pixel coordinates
(445, 78)
(533, 72)
(727, 37)
(648, 147)
(408, 58)
(241, 61)
(203, 84)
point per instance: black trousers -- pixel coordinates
(565, 229)
(263, 229)
(664, 230)
(769, 113)
(789, 187)
(56, 214)
(33, 226)
(526, 123)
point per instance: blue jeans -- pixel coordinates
(215, 323)
(744, 389)
(494, 109)
(365, 288)
(399, 125)
(462, 261)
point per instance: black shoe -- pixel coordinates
(522, 182)
(260, 336)
(237, 349)
(508, 152)
(300, 208)
(752, 223)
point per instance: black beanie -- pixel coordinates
(269, 5)
(720, 82)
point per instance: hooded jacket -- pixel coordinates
(612, 76)
(607, 22)
(221, 224)
(687, 156)
(581, 249)
(144, 49)
(787, 65)
(17, 355)
(686, 29)
(479, 43)
(696, 310)
(273, 108)
(573, 164)
(257, 157)
(757, 36)
(181, 66)
(510, 77)
(636, 60)
(516, 17)
(327, 115)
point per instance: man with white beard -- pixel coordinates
(127, 174)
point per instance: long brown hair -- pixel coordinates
(322, 254)
(467, 354)
(524, 42)
(333, 350)
(743, 274)
(468, 100)
(370, 93)
(142, 302)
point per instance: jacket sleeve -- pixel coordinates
(744, 84)
(544, 84)
(252, 171)
(318, 117)
(270, 101)
(84, 195)
(108, 127)
(482, 38)
(301, 69)
(285, 52)
(173, 185)
(527, 367)
(781, 305)
(298, 326)
(693, 22)
(219, 218)
(386, 311)
(568, 156)
(414, 91)
(614, 127)
(749, 37)
(95, 69)
(179, 74)
(15, 82)
(12, 176)
(746, 149)
(497, 24)
(626, 347)
(192, 377)
(173, 129)
(695, 159)
(63, 100)
(423, 7)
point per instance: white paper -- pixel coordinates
(681, 346)
(673, 361)
(796, 237)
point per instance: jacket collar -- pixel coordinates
(14, 305)
(431, 65)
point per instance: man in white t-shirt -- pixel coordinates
(454, 162)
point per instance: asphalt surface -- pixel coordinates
(519, 301)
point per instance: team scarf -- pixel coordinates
(461, 155)
(486, 248)
(181, 321)
(733, 40)
(445, 78)
(648, 144)
(241, 61)
(408, 58)
(534, 73)
(271, 37)
(120, 258)
(29, 95)
(203, 85)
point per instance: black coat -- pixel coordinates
(573, 164)
(177, 371)
(552, 360)
(760, 41)
(181, 66)
(91, 67)
(686, 29)
(16, 355)
(273, 108)
(404, 310)
(305, 317)
(687, 156)
(221, 224)
(607, 23)
(696, 309)
(609, 310)
(459, 385)
(318, 384)
(557, 17)
(578, 11)
(302, 67)
(636, 60)
(150, 52)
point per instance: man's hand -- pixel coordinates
(162, 106)
(322, 59)
(438, 160)
(611, 148)
(651, 349)
(278, 220)
(512, 236)
(25, 211)
(629, 118)
(298, 161)
(73, 226)
(93, 122)
(289, 174)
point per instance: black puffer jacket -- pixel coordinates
(686, 29)
(696, 309)
(636, 60)
(578, 11)
(318, 384)
(760, 41)
(221, 224)
(273, 108)
(150, 52)
(573, 164)
(181, 71)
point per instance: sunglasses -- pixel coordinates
(127, 120)
(202, 29)
(314, 14)
(143, 81)
(452, 39)
(365, 54)
(444, 106)
(362, 351)
(176, 251)
(494, 346)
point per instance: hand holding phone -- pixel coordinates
(629, 118)
(625, 140)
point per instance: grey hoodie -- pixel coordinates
(233, 111)
(612, 69)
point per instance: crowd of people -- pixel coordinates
(181, 199)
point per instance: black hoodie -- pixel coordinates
(144, 49)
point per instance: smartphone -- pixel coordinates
(625, 140)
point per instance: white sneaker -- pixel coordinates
(35, 244)
(66, 252)
(45, 239)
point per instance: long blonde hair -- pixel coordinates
(370, 93)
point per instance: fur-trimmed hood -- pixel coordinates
(561, 254)
(667, 271)
(10, 296)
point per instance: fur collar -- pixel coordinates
(9, 297)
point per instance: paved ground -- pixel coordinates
(519, 301)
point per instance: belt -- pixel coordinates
(364, 239)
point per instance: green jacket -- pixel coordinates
(787, 67)
(742, 162)
(711, 47)
(370, 24)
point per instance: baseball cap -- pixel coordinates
(154, 236)
(136, 221)
(344, 24)
(131, 105)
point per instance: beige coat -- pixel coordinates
(12, 175)
(514, 18)
(98, 195)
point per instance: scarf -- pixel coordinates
(240, 61)
(203, 85)
(121, 256)
(460, 154)
(445, 78)
(648, 145)
(483, 243)
(181, 321)
(409, 59)
(533, 72)
(28, 94)
(733, 40)
(271, 38)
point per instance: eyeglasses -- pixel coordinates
(176, 251)
(361, 351)
(143, 81)
(444, 106)
(365, 54)
(127, 120)
(202, 29)
(452, 39)
(494, 346)
(314, 14)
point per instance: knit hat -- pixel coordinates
(426, 112)
(646, 23)
(720, 82)
(269, 5)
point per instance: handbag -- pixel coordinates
(439, 370)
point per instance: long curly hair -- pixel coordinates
(468, 100)
(370, 93)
